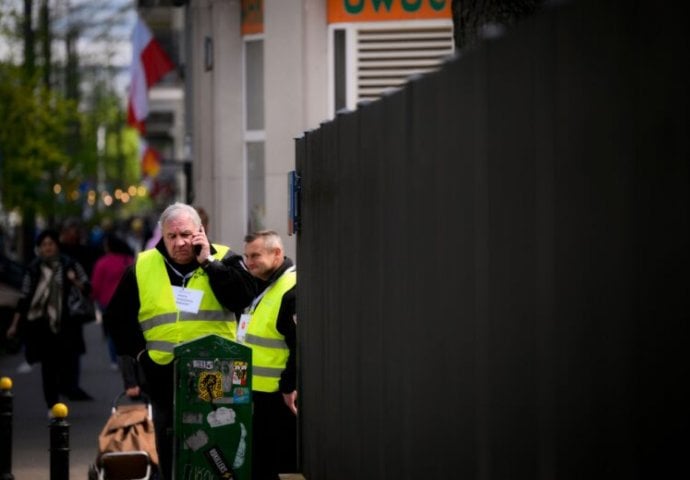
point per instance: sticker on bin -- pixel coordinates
(197, 440)
(240, 395)
(192, 418)
(203, 364)
(210, 386)
(217, 460)
(220, 417)
(239, 373)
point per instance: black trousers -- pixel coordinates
(59, 376)
(159, 385)
(274, 445)
(59, 355)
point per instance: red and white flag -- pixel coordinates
(149, 64)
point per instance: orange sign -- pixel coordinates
(252, 17)
(340, 11)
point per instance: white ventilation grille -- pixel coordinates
(386, 57)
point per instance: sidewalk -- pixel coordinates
(31, 441)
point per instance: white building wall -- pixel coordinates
(200, 115)
(295, 99)
(216, 130)
(315, 47)
(295, 94)
(229, 201)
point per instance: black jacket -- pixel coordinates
(36, 334)
(232, 284)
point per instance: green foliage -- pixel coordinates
(120, 156)
(51, 166)
(32, 138)
(102, 111)
(129, 145)
(49, 157)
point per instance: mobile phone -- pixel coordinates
(197, 248)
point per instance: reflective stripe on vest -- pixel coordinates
(269, 350)
(163, 325)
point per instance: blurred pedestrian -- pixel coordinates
(107, 273)
(203, 214)
(52, 336)
(269, 327)
(135, 235)
(73, 243)
(154, 238)
(167, 284)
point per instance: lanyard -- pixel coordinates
(246, 316)
(256, 301)
(250, 309)
(183, 277)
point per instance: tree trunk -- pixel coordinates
(29, 40)
(46, 42)
(72, 70)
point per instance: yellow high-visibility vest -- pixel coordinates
(269, 350)
(163, 324)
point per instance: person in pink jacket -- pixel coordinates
(106, 275)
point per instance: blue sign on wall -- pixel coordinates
(294, 187)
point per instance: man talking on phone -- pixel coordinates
(183, 289)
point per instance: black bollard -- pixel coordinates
(6, 415)
(59, 443)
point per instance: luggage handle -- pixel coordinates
(142, 399)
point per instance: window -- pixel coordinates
(255, 186)
(254, 133)
(369, 58)
(254, 84)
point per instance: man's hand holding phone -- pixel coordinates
(200, 245)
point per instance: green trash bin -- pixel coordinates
(213, 410)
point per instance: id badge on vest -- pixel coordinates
(242, 326)
(187, 299)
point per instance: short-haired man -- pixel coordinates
(268, 326)
(174, 293)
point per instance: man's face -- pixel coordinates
(261, 262)
(177, 235)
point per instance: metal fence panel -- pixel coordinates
(493, 261)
